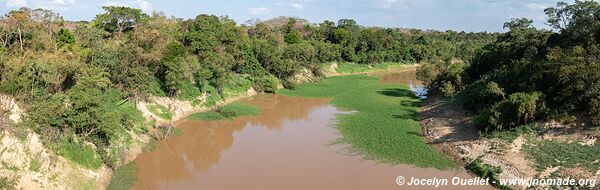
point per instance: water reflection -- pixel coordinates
(408, 77)
(200, 147)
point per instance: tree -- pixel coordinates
(64, 37)
(341, 36)
(176, 68)
(519, 24)
(89, 37)
(292, 37)
(119, 19)
(19, 19)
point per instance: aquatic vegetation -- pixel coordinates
(357, 68)
(229, 111)
(384, 126)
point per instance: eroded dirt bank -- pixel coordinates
(450, 130)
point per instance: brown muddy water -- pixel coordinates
(290, 145)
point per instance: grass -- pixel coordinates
(385, 126)
(35, 163)
(486, 171)
(346, 68)
(83, 155)
(510, 135)
(213, 95)
(547, 153)
(189, 91)
(236, 85)
(160, 111)
(151, 145)
(230, 111)
(124, 177)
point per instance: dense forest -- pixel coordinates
(530, 74)
(79, 81)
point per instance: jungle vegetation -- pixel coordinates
(530, 74)
(80, 81)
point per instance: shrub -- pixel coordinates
(594, 107)
(236, 85)
(265, 83)
(124, 177)
(230, 111)
(319, 70)
(213, 95)
(484, 170)
(442, 76)
(189, 91)
(289, 84)
(447, 88)
(518, 109)
(83, 155)
(482, 94)
(64, 37)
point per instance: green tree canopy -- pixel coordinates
(119, 19)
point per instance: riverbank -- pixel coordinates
(179, 110)
(520, 153)
(41, 168)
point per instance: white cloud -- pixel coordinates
(297, 6)
(44, 4)
(259, 11)
(144, 5)
(115, 4)
(16, 3)
(139, 4)
(536, 6)
(53, 4)
(401, 5)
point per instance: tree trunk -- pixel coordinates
(20, 39)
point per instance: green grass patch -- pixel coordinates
(160, 111)
(486, 171)
(35, 163)
(130, 113)
(512, 134)
(230, 111)
(83, 155)
(570, 155)
(189, 92)
(385, 126)
(236, 85)
(124, 177)
(346, 68)
(213, 95)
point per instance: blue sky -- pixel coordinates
(467, 15)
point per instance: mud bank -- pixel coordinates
(450, 130)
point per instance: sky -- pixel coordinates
(458, 15)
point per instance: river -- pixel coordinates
(290, 145)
